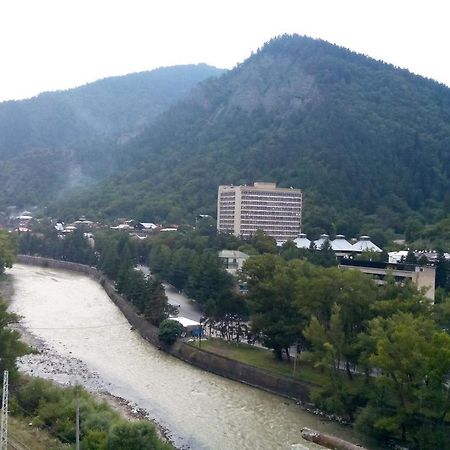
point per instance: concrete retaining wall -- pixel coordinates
(202, 359)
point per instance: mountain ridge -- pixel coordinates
(73, 130)
(367, 141)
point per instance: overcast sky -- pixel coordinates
(57, 44)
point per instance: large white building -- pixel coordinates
(242, 210)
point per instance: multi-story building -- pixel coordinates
(242, 210)
(421, 276)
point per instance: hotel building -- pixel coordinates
(242, 210)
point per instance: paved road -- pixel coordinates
(187, 308)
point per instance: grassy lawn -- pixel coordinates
(264, 359)
(20, 432)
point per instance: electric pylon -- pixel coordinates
(4, 423)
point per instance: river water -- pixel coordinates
(86, 339)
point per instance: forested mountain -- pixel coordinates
(59, 139)
(369, 143)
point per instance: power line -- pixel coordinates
(109, 325)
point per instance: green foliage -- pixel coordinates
(101, 428)
(169, 331)
(263, 243)
(189, 261)
(134, 436)
(60, 140)
(384, 351)
(44, 241)
(7, 250)
(271, 296)
(284, 115)
(11, 347)
(411, 390)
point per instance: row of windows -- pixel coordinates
(269, 194)
(271, 213)
(278, 237)
(268, 209)
(271, 206)
(269, 229)
(269, 219)
(269, 201)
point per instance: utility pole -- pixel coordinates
(77, 435)
(4, 422)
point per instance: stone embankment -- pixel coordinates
(202, 359)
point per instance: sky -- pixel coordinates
(48, 45)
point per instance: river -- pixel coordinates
(85, 338)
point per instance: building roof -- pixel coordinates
(148, 225)
(340, 244)
(233, 254)
(302, 241)
(319, 242)
(396, 257)
(122, 226)
(186, 322)
(366, 245)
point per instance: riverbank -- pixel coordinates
(45, 362)
(72, 314)
(217, 364)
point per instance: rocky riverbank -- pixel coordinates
(45, 362)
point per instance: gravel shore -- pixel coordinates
(45, 362)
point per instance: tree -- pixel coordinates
(7, 250)
(411, 398)
(134, 436)
(263, 243)
(11, 347)
(410, 258)
(170, 331)
(324, 256)
(442, 271)
(156, 304)
(271, 293)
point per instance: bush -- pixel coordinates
(169, 331)
(134, 436)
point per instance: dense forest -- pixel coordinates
(368, 142)
(58, 140)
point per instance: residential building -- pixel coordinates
(421, 276)
(243, 210)
(232, 259)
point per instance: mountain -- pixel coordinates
(60, 139)
(369, 143)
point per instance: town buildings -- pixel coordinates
(421, 276)
(243, 210)
(233, 260)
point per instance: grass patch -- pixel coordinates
(29, 436)
(264, 359)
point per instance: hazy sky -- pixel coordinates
(57, 44)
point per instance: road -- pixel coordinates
(186, 307)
